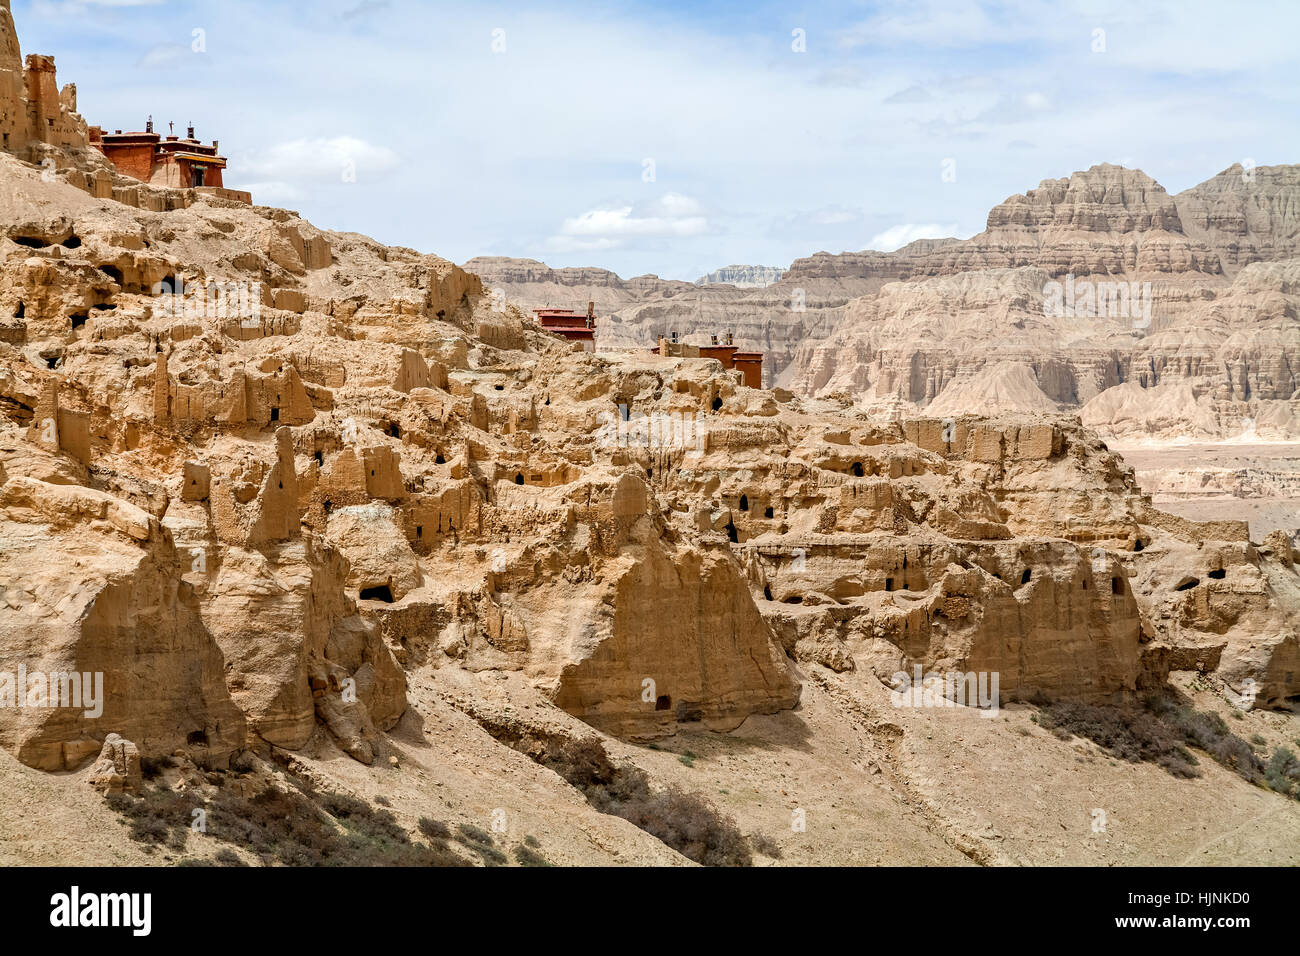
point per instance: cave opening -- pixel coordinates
(378, 592)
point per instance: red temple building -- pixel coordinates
(165, 161)
(571, 325)
(749, 364)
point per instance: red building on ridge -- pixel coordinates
(171, 161)
(571, 325)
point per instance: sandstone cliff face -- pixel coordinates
(33, 110)
(93, 586)
(265, 508)
(773, 317)
(1102, 302)
(743, 277)
(1245, 215)
(1183, 326)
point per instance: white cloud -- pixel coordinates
(913, 94)
(671, 216)
(573, 244)
(317, 160)
(166, 56)
(900, 235)
(766, 143)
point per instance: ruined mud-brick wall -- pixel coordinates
(32, 109)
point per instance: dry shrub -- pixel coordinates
(686, 822)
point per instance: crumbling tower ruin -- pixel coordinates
(32, 108)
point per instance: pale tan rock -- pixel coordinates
(267, 530)
(118, 768)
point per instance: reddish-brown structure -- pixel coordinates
(171, 161)
(750, 364)
(571, 325)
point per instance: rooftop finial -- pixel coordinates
(148, 126)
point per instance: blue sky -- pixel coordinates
(675, 138)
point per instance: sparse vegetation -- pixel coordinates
(528, 856)
(1131, 734)
(1161, 731)
(480, 841)
(434, 829)
(1282, 773)
(152, 767)
(764, 844)
(684, 821)
(293, 828)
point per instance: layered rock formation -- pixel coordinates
(743, 277)
(634, 313)
(1091, 294)
(259, 507)
(262, 486)
(1098, 281)
(33, 110)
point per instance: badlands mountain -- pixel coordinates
(375, 570)
(743, 277)
(1149, 315)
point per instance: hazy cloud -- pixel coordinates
(671, 215)
(302, 160)
(901, 235)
